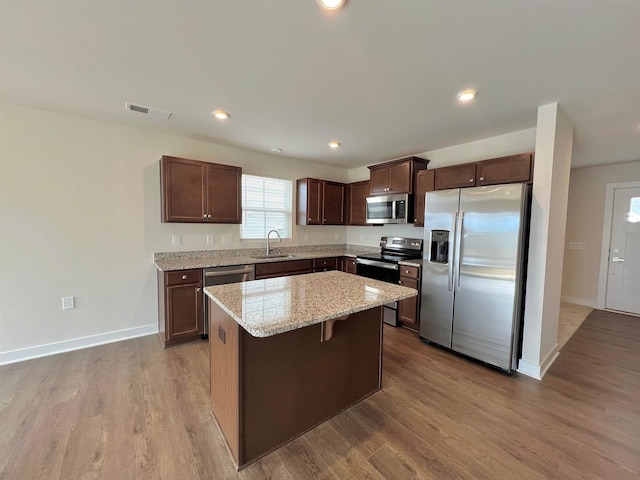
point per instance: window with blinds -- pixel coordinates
(266, 205)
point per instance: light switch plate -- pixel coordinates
(226, 239)
(209, 239)
(176, 240)
(68, 303)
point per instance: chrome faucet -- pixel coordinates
(268, 246)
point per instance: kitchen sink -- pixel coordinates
(273, 255)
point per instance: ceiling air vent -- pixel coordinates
(153, 112)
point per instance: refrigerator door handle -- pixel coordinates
(452, 262)
(458, 247)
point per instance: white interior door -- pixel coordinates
(623, 280)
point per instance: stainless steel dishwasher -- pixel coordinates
(221, 276)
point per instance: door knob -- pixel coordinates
(617, 259)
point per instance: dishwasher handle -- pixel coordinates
(227, 272)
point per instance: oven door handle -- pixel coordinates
(373, 263)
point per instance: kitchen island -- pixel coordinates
(289, 353)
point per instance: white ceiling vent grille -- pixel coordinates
(152, 112)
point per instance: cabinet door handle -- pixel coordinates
(471, 180)
(481, 178)
(209, 216)
(309, 218)
(198, 289)
(204, 215)
(184, 277)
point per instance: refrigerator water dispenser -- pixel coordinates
(439, 246)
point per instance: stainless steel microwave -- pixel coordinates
(396, 208)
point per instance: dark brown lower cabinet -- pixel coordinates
(325, 264)
(267, 391)
(409, 309)
(180, 316)
(349, 265)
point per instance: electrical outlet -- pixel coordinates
(306, 236)
(68, 303)
(209, 239)
(226, 239)
(336, 236)
(176, 240)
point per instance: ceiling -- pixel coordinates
(380, 76)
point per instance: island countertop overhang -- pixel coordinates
(277, 305)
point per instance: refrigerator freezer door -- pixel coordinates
(436, 310)
(486, 299)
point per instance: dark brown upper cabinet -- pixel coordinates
(425, 182)
(320, 202)
(396, 176)
(200, 192)
(357, 203)
(511, 169)
(456, 176)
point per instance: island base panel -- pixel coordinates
(224, 348)
(290, 382)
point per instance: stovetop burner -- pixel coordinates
(396, 249)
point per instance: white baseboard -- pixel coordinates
(579, 301)
(538, 371)
(38, 351)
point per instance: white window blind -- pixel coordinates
(266, 205)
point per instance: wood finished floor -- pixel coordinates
(571, 317)
(131, 410)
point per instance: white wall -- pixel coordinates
(80, 215)
(585, 219)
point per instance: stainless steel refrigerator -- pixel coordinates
(474, 270)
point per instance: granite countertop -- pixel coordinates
(277, 305)
(217, 258)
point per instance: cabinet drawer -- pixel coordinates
(321, 263)
(184, 277)
(409, 272)
(275, 269)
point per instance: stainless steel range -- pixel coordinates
(385, 266)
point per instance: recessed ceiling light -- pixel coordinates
(221, 114)
(467, 95)
(332, 4)
(276, 150)
(334, 144)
